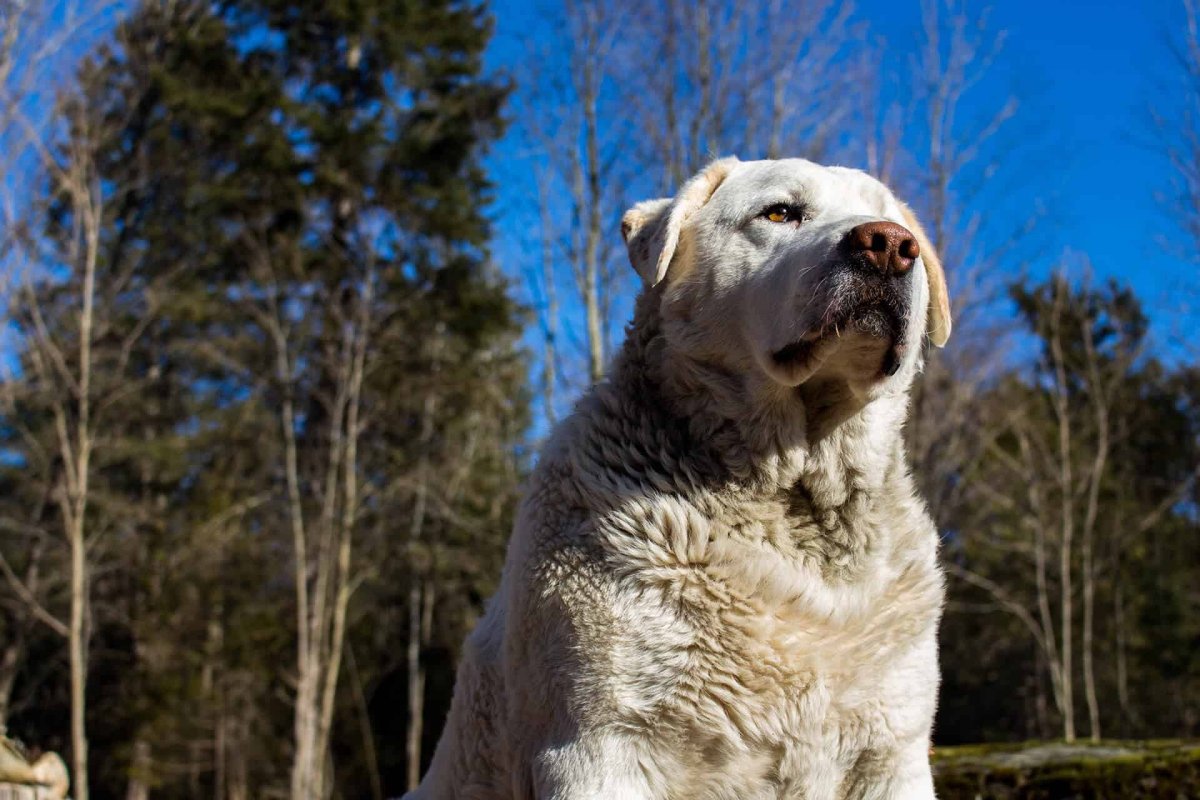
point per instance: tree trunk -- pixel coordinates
(322, 555)
(220, 746)
(77, 645)
(1066, 487)
(704, 81)
(10, 659)
(304, 765)
(364, 719)
(593, 233)
(1040, 705)
(238, 782)
(416, 689)
(1098, 391)
(416, 675)
(550, 302)
(1049, 648)
(137, 787)
(346, 522)
(1130, 715)
(1089, 673)
(1066, 679)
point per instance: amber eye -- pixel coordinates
(782, 213)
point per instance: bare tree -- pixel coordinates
(700, 93)
(1048, 471)
(438, 535)
(572, 119)
(322, 542)
(649, 94)
(36, 43)
(81, 184)
(1178, 131)
(63, 362)
(1175, 133)
(946, 175)
(420, 594)
(1055, 436)
(543, 288)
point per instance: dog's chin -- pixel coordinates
(863, 346)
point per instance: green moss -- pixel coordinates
(1110, 770)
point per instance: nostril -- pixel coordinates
(884, 245)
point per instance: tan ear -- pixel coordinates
(651, 228)
(938, 326)
(644, 228)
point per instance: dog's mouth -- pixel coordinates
(880, 320)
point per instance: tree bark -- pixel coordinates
(1122, 644)
(137, 788)
(1066, 487)
(1098, 392)
(416, 690)
(87, 205)
(549, 310)
(592, 199)
(304, 727)
(415, 668)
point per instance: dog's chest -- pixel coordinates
(765, 666)
(771, 707)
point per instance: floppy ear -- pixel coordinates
(938, 326)
(651, 228)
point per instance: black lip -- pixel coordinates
(891, 361)
(794, 352)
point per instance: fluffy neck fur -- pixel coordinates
(664, 429)
(743, 449)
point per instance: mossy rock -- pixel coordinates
(1115, 770)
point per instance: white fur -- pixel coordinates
(721, 583)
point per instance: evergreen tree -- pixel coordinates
(325, 391)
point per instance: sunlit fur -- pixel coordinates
(721, 582)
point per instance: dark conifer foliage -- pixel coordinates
(293, 216)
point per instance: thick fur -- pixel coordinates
(721, 583)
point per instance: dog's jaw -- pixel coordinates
(861, 334)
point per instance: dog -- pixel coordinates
(721, 582)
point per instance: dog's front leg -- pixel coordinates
(591, 767)
(912, 778)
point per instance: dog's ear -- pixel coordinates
(644, 229)
(938, 326)
(651, 228)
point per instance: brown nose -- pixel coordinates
(890, 247)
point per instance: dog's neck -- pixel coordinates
(818, 439)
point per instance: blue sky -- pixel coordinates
(1090, 72)
(1085, 75)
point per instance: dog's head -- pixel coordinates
(793, 270)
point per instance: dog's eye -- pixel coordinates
(782, 212)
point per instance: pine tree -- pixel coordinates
(294, 227)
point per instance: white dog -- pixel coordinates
(721, 583)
